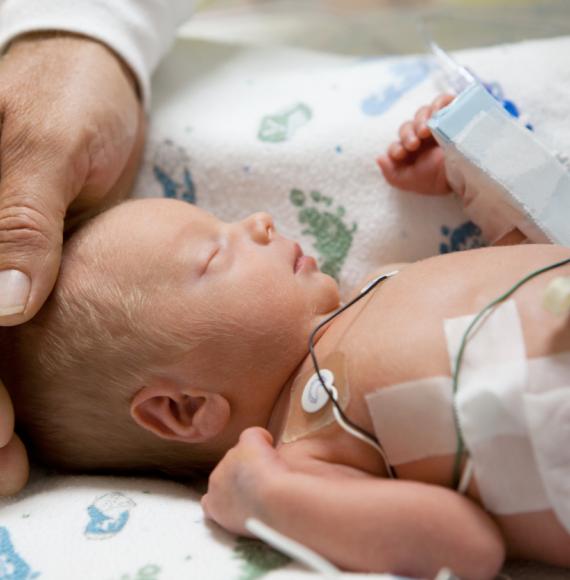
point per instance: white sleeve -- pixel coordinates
(140, 31)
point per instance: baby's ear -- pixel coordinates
(180, 414)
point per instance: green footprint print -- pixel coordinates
(148, 572)
(257, 558)
(333, 237)
(282, 125)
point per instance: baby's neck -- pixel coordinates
(280, 413)
(329, 349)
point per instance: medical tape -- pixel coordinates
(299, 423)
(491, 410)
(414, 420)
(514, 414)
(547, 406)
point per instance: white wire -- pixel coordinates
(365, 439)
(292, 548)
(466, 477)
(351, 431)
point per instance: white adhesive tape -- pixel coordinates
(547, 405)
(491, 410)
(514, 415)
(414, 420)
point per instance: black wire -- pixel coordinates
(316, 364)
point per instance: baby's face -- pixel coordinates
(242, 284)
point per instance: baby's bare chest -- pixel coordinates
(398, 362)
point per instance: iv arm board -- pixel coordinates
(528, 180)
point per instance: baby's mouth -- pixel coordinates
(301, 261)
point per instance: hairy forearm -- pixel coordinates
(376, 525)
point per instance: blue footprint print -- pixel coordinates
(466, 236)
(405, 76)
(12, 565)
(170, 167)
(108, 515)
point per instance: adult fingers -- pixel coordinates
(6, 416)
(34, 193)
(14, 467)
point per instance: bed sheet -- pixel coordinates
(66, 527)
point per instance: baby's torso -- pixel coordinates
(395, 342)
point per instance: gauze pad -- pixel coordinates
(514, 416)
(547, 407)
(508, 179)
(491, 410)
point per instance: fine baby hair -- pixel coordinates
(73, 369)
(168, 333)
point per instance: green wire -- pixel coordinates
(463, 344)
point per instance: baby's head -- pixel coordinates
(168, 333)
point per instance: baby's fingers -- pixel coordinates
(425, 114)
(396, 151)
(440, 102)
(420, 122)
(408, 138)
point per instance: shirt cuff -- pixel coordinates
(139, 31)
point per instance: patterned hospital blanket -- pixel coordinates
(295, 132)
(236, 130)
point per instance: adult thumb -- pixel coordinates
(31, 238)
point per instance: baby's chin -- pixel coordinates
(329, 292)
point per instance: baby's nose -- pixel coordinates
(260, 227)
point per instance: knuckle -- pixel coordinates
(421, 112)
(29, 148)
(23, 225)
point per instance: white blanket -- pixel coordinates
(294, 132)
(237, 130)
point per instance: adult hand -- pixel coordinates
(71, 129)
(71, 134)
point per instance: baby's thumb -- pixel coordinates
(31, 237)
(257, 436)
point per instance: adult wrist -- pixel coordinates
(43, 36)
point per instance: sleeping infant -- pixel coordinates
(176, 342)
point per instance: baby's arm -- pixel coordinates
(359, 522)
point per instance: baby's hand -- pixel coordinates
(415, 162)
(237, 485)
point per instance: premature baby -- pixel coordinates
(175, 341)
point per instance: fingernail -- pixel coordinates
(14, 292)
